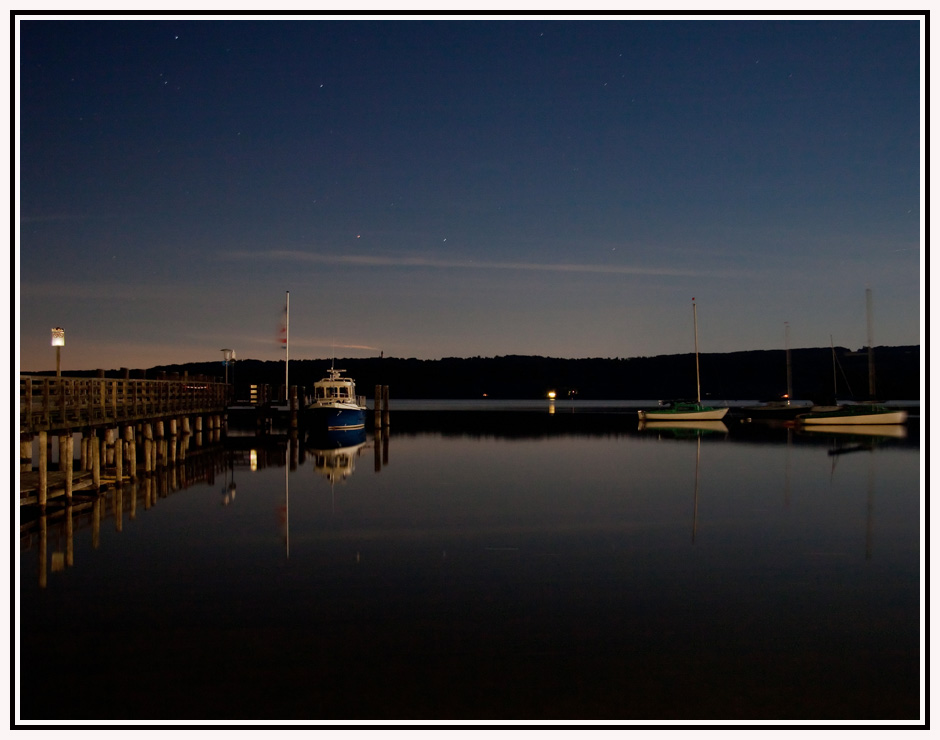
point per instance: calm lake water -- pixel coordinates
(489, 565)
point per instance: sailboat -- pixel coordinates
(859, 413)
(686, 410)
(784, 409)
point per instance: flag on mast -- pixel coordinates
(282, 329)
(286, 344)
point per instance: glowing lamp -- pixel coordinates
(227, 356)
(551, 395)
(58, 341)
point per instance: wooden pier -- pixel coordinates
(121, 422)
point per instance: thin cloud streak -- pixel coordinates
(299, 343)
(420, 262)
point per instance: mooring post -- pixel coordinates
(161, 445)
(294, 449)
(377, 409)
(43, 468)
(68, 463)
(26, 453)
(148, 449)
(108, 460)
(129, 435)
(83, 463)
(293, 407)
(118, 461)
(173, 440)
(96, 460)
(385, 406)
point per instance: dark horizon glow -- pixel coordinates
(457, 188)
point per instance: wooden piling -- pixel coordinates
(68, 452)
(377, 408)
(95, 460)
(159, 445)
(118, 461)
(26, 453)
(43, 468)
(385, 415)
(148, 449)
(129, 436)
(108, 458)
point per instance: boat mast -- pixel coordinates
(871, 349)
(835, 388)
(287, 346)
(786, 325)
(698, 384)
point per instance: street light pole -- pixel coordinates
(58, 341)
(227, 356)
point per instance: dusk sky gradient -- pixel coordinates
(445, 188)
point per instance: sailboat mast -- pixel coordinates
(698, 384)
(835, 385)
(287, 346)
(871, 349)
(786, 325)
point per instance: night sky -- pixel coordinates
(445, 188)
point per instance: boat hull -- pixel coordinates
(834, 418)
(704, 414)
(773, 412)
(336, 417)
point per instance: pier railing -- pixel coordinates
(57, 403)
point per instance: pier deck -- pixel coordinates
(60, 404)
(119, 422)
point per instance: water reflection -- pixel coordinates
(335, 453)
(684, 428)
(505, 566)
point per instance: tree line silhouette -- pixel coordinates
(818, 374)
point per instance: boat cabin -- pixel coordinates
(335, 389)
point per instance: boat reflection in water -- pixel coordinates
(688, 430)
(866, 431)
(685, 428)
(335, 452)
(855, 438)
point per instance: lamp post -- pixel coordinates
(58, 341)
(228, 355)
